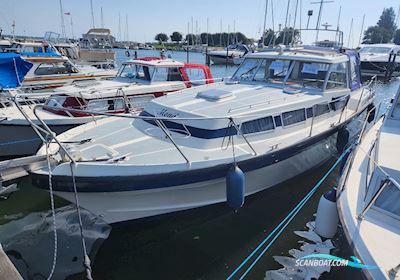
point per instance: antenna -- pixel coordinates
(321, 4)
(101, 17)
(62, 20)
(91, 8)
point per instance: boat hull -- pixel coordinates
(21, 140)
(116, 206)
(220, 59)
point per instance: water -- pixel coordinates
(204, 243)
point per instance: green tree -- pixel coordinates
(287, 34)
(161, 37)
(396, 38)
(176, 37)
(387, 20)
(269, 37)
(376, 35)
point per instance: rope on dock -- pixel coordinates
(284, 223)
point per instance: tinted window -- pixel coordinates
(293, 117)
(321, 109)
(55, 68)
(337, 77)
(257, 125)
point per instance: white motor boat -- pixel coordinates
(232, 55)
(277, 117)
(368, 198)
(138, 81)
(376, 58)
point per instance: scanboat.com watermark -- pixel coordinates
(329, 260)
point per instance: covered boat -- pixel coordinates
(277, 117)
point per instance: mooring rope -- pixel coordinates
(284, 223)
(53, 213)
(86, 259)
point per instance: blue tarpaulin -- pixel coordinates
(13, 69)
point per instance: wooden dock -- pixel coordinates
(7, 268)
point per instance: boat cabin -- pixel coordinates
(300, 70)
(156, 70)
(138, 81)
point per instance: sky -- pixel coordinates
(146, 18)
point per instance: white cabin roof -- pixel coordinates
(392, 46)
(314, 55)
(155, 62)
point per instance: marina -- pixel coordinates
(205, 154)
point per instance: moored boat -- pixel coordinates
(368, 198)
(138, 81)
(277, 117)
(379, 59)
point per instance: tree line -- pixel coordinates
(216, 39)
(384, 31)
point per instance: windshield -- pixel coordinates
(291, 72)
(266, 70)
(134, 71)
(308, 74)
(375, 50)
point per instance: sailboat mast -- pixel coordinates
(286, 19)
(265, 23)
(101, 17)
(361, 31)
(91, 9)
(62, 20)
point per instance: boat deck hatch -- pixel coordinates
(215, 94)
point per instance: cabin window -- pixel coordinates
(196, 76)
(339, 103)
(140, 101)
(175, 75)
(293, 117)
(320, 109)
(354, 73)
(247, 69)
(389, 199)
(160, 74)
(337, 76)
(277, 70)
(396, 109)
(308, 74)
(262, 73)
(272, 70)
(380, 50)
(258, 125)
(106, 105)
(278, 121)
(133, 71)
(55, 68)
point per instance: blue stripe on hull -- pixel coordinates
(145, 182)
